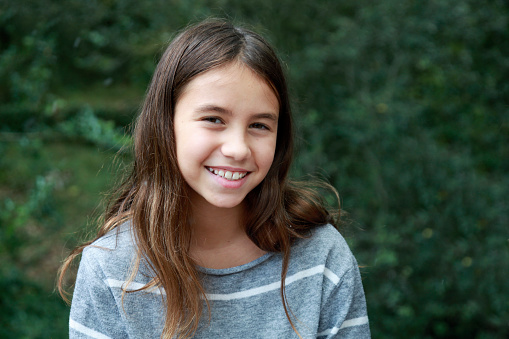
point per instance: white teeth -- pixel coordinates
(228, 174)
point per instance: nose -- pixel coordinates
(236, 146)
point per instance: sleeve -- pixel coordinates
(344, 313)
(94, 311)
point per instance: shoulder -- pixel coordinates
(117, 237)
(328, 235)
(324, 239)
(325, 246)
(112, 253)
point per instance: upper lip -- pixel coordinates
(227, 168)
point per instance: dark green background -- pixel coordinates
(403, 105)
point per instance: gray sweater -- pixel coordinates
(323, 289)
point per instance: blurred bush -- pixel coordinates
(403, 105)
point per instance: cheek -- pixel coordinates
(265, 155)
(192, 148)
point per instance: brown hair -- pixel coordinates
(155, 194)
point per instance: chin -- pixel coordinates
(227, 203)
(226, 206)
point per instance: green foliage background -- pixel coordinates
(403, 105)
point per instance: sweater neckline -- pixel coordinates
(235, 269)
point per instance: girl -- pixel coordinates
(208, 237)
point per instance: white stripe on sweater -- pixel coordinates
(85, 330)
(346, 323)
(133, 286)
(320, 269)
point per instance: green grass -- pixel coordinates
(117, 102)
(31, 251)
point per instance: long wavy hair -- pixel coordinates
(155, 196)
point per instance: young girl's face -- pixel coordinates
(225, 128)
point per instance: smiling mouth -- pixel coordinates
(228, 175)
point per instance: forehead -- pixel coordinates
(230, 84)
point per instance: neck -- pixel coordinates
(219, 239)
(216, 227)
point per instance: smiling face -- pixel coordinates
(225, 129)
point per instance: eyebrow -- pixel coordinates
(222, 110)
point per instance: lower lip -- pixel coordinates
(228, 183)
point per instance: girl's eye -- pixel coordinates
(258, 125)
(213, 120)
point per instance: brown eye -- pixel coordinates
(258, 125)
(214, 120)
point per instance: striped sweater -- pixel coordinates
(323, 289)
